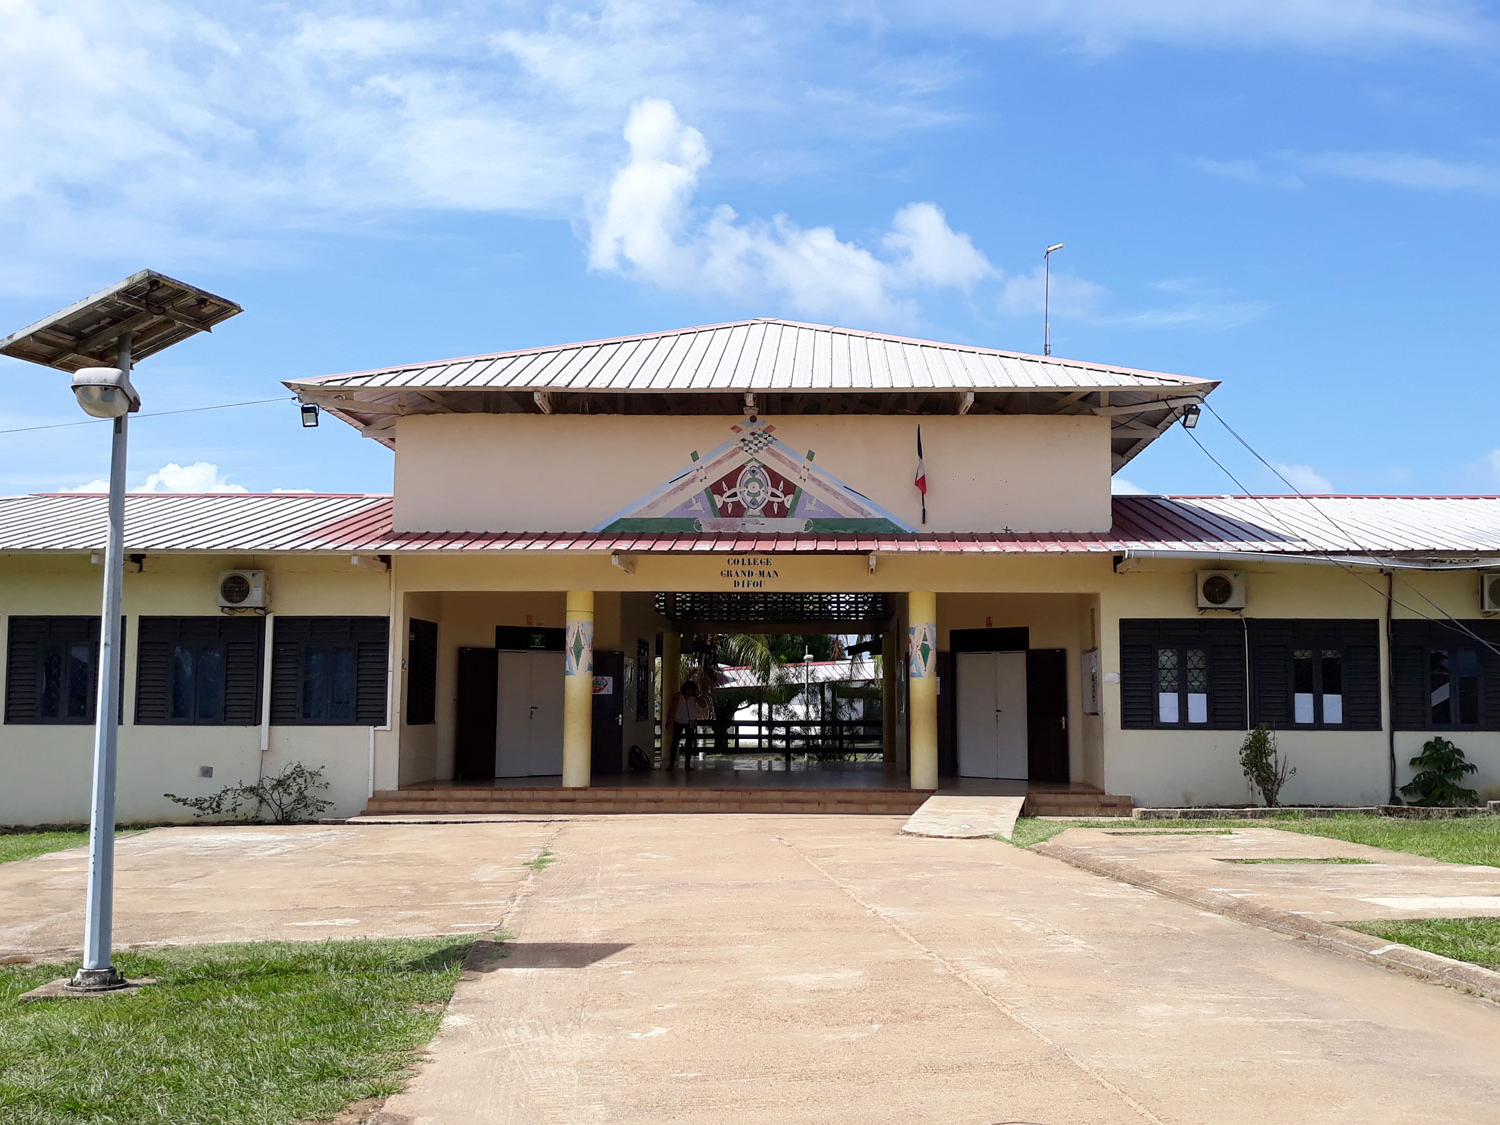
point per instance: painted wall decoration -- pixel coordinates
(580, 649)
(923, 640)
(754, 482)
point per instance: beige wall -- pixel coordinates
(1181, 767)
(527, 472)
(46, 770)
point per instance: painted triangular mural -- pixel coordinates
(754, 482)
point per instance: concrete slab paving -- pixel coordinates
(830, 969)
(963, 817)
(1387, 885)
(302, 882)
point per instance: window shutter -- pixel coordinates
(1137, 675)
(1360, 641)
(1271, 671)
(1489, 667)
(1409, 670)
(287, 637)
(371, 649)
(154, 639)
(242, 637)
(1226, 674)
(23, 669)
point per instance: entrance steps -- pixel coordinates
(1081, 806)
(556, 801)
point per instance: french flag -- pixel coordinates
(921, 481)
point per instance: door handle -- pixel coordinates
(1064, 722)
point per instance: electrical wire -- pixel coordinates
(1447, 621)
(155, 414)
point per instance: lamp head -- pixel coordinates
(1190, 416)
(1054, 246)
(105, 392)
(309, 416)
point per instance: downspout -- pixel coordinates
(1390, 682)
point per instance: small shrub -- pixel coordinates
(1440, 767)
(288, 797)
(1263, 765)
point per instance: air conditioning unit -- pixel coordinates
(1489, 593)
(1220, 589)
(244, 589)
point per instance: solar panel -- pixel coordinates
(157, 311)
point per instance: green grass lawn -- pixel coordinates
(254, 1034)
(1466, 939)
(24, 845)
(1472, 839)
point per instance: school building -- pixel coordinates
(500, 629)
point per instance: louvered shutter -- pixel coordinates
(1225, 641)
(242, 637)
(371, 667)
(1360, 643)
(288, 634)
(23, 669)
(1409, 671)
(155, 637)
(1271, 673)
(1137, 675)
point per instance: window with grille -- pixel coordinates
(1446, 675)
(52, 669)
(199, 671)
(329, 671)
(1318, 674)
(1182, 674)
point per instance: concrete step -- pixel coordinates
(1082, 806)
(538, 801)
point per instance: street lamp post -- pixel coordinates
(1047, 298)
(98, 340)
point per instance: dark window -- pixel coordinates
(199, 671)
(1317, 674)
(1445, 679)
(328, 670)
(1182, 674)
(421, 673)
(52, 670)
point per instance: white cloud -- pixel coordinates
(646, 227)
(200, 476)
(1396, 169)
(1120, 486)
(1316, 25)
(1304, 478)
(1492, 462)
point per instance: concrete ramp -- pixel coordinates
(961, 817)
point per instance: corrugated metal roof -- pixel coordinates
(753, 355)
(300, 522)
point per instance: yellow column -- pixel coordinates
(671, 680)
(921, 617)
(578, 690)
(889, 654)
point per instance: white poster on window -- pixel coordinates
(1197, 707)
(1166, 707)
(1302, 708)
(1333, 708)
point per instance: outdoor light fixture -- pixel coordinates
(309, 416)
(105, 392)
(96, 340)
(1190, 416)
(1047, 298)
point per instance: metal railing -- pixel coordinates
(787, 737)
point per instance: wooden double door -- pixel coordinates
(1012, 714)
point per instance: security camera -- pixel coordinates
(105, 392)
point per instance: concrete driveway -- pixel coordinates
(718, 968)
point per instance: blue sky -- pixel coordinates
(1298, 197)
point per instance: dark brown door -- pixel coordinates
(1047, 714)
(478, 704)
(609, 713)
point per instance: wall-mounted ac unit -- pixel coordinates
(1489, 593)
(1220, 589)
(244, 589)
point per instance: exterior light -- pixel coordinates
(309, 416)
(1190, 416)
(105, 392)
(1047, 298)
(1054, 246)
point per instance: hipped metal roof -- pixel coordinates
(248, 523)
(789, 368)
